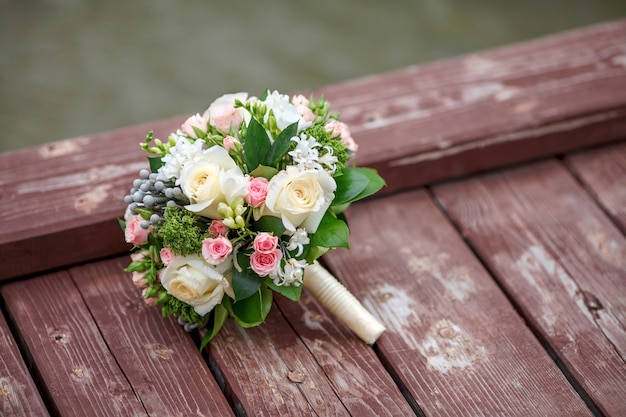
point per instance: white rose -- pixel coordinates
(193, 281)
(285, 112)
(300, 197)
(208, 181)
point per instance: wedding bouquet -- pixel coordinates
(239, 203)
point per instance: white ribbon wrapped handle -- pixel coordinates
(336, 298)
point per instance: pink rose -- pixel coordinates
(264, 263)
(196, 121)
(150, 301)
(227, 118)
(230, 143)
(166, 256)
(134, 233)
(341, 130)
(302, 105)
(257, 191)
(139, 256)
(216, 250)
(139, 279)
(218, 228)
(265, 242)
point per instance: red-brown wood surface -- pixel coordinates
(64, 198)
(417, 125)
(78, 373)
(159, 360)
(562, 261)
(455, 342)
(268, 371)
(18, 393)
(452, 117)
(603, 172)
(353, 368)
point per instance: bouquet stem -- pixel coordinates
(336, 298)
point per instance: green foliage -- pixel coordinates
(256, 145)
(173, 306)
(253, 310)
(216, 320)
(245, 282)
(331, 233)
(182, 231)
(356, 183)
(282, 144)
(270, 224)
(290, 291)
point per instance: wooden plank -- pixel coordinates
(603, 172)
(357, 375)
(155, 354)
(268, 371)
(455, 342)
(63, 194)
(485, 104)
(18, 393)
(417, 125)
(70, 356)
(561, 259)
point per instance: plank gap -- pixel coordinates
(27, 357)
(534, 330)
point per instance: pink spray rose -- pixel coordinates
(227, 118)
(196, 121)
(166, 256)
(264, 263)
(341, 130)
(134, 233)
(216, 250)
(230, 142)
(257, 191)
(139, 279)
(218, 228)
(302, 105)
(150, 301)
(265, 243)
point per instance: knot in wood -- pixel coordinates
(296, 376)
(591, 301)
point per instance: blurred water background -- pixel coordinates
(75, 67)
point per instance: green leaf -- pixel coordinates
(331, 233)
(376, 182)
(253, 310)
(290, 291)
(246, 282)
(314, 253)
(122, 223)
(350, 184)
(264, 171)
(282, 143)
(219, 315)
(263, 96)
(269, 224)
(155, 163)
(256, 145)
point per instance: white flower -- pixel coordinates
(212, 179)
(284, 112)
(193, 281)
(180, 154)
(300, 198)
(329, 160)
(305, 154)
(291, 274)
(297, 241)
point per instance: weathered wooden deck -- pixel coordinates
(496, 259)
